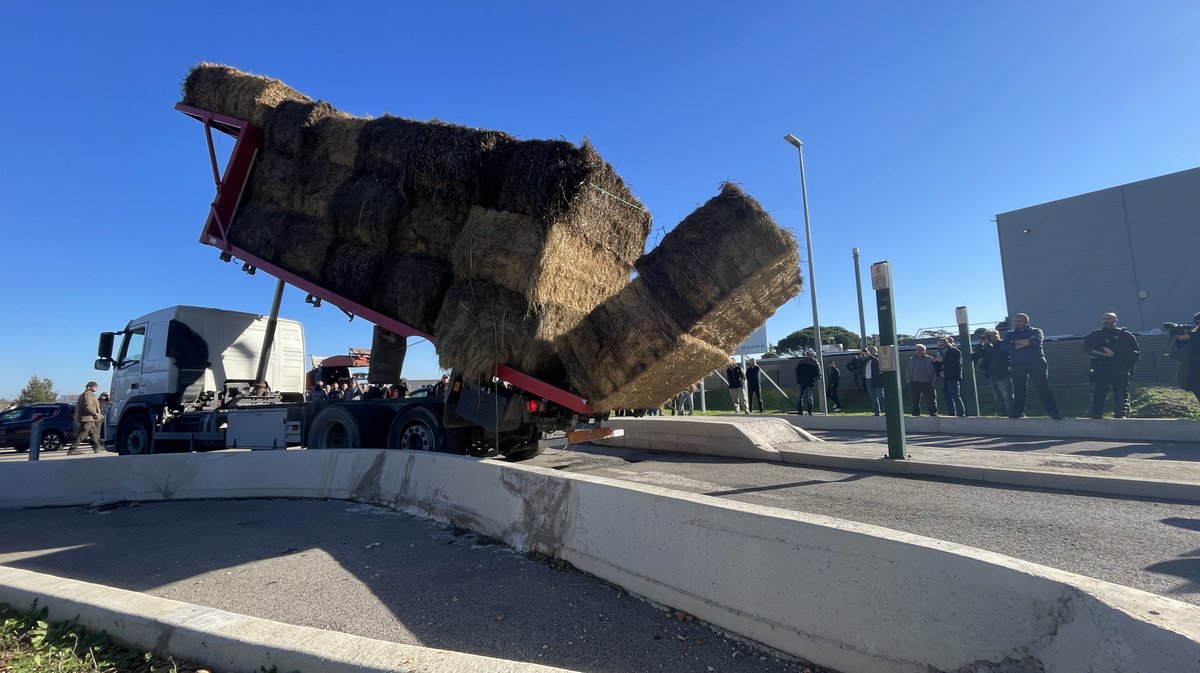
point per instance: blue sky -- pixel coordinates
(921, 121)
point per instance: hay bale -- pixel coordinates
(567, 186)
(291, 129)
(429, 225)
(549, 266)
(302, 245)
(336, 139)
(219, 88)
(482, 325)
(367, 209)
(688, 362)
(351, 270)
(724, 266)
(255, 228)
(437, 159)
(273, 182)
(411, 288)
(317, 187)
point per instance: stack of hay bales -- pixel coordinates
(714, 279)
(494, 246)
(507, 252)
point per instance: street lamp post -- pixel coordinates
(812, 270)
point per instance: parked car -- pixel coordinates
(58, 425)
(423, 391)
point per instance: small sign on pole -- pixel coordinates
(755, 344)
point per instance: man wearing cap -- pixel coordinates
(807, 373)
(87, 415)
(1114, 352)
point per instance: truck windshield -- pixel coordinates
(131, 347)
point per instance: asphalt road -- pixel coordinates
(1153, 546)
(372, 572)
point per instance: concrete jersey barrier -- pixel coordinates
(844, 595)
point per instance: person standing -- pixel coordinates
(992, 358)
(1114, 352)
(808, 370)
(1027, 360)
(950, 358)
(832, 381)
(856, 365)
(874, 378)
(439, 388)
(754, 385)
(921, 373)
(736, 376)
(87, 415)
(1188, 345)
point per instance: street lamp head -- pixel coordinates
(793, 140)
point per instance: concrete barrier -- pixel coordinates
(230, 641)
(749, 437)
(1125, 429)
(844, 595)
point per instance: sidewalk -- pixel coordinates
(784, 439)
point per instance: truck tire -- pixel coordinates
(415, 429)
(335, 427)
(135, 436)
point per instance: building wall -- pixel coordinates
(1130, 249)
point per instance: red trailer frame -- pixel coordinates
(230, 186)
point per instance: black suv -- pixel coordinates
(58, 425)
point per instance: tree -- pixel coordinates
(37, 390)
(796, 342)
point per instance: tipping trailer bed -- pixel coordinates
(231, 184)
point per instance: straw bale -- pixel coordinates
(547, 266)
(219, 88)
(690, 360)
(411, 289)
(707, 257)
(430, 225)
(302, 244)
(617, 340)
(255, 228)
(541, 356)
(367, 209)
(273, 181)
(292, 127)
(437, 159)
(481, 325)
(736, 317)
(351, 270)
(317, 186)
(336, 139)
(573, 187)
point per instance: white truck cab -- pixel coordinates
(174, 367)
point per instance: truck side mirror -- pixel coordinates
(104, 349)
(103, 364)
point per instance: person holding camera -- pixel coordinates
(1114, 352)
(1188, 344)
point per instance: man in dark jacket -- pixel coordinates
(1027, 360)
(874, 379)
(993, 360)
(807, 373)
(950, 359)
(833, 380)
(1114, 352)
(736, 377)
(754, 384)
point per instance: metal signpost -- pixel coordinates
(35, 439)
(889, 360)
(964, 345)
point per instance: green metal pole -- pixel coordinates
(964, 345)
(889, 360)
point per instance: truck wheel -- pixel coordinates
(334, 428)
(52, 440)
(416, 430)
(134, 436)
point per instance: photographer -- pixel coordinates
(1187, 341)
(1114, 352)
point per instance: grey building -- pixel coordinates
(1132, 249)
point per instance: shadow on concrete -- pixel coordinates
(794, 484)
